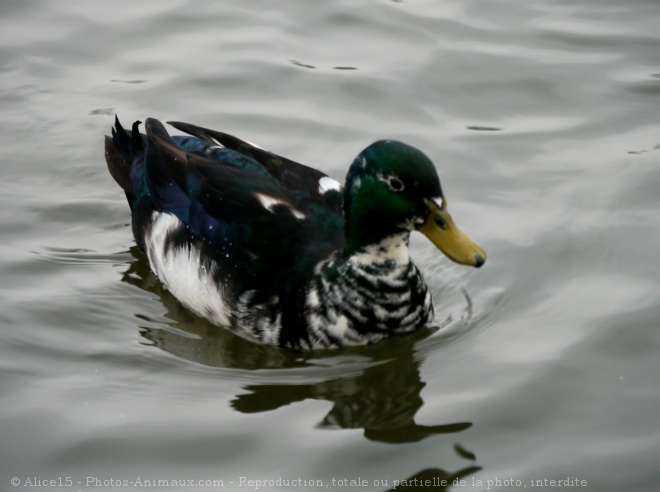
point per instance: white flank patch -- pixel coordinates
(327, 184)
(269, 202)
(184, 273)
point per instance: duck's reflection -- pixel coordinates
(377, 389)
(382, 399)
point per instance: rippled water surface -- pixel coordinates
(543, 119)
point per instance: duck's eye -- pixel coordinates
(395, 184)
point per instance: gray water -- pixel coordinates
(543, 119)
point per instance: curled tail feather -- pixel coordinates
(120, 150)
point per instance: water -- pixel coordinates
(543, 120)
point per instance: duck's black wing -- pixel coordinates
(302, 182)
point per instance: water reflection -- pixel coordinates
(376, 389)
(382, 400)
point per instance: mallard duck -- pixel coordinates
(276, 251)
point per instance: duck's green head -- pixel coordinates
(393, 188)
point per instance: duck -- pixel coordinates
(279, 252)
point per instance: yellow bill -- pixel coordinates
(441, 230)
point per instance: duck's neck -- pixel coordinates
(371, 228)
(391, 251)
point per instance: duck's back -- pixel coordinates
(232, 230)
